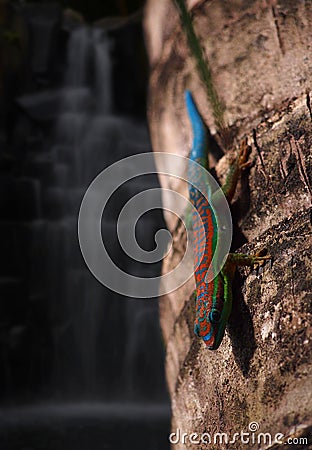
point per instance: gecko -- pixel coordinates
(214, 298)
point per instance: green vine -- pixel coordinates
(202, 65)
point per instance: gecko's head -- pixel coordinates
(211, 317)
(210, 327)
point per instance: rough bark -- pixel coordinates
(261, 63)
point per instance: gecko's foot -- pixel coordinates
(260, 258)
(243, 155)
(256, 260)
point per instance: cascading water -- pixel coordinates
(107, 358)
(88, 138)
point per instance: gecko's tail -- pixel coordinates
(199, 147)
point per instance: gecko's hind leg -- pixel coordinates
(242, 259)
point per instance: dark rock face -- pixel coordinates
(44, 24)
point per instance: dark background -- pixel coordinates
(81, 367)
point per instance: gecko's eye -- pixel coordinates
(214, 316)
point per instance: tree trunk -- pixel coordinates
(260, 56)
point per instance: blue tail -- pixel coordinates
(199, 147)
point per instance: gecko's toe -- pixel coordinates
(244, 152)
(261, 258)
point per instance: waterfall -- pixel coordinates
(104, 365)
(85, 317)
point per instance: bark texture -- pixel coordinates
(260, 55)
